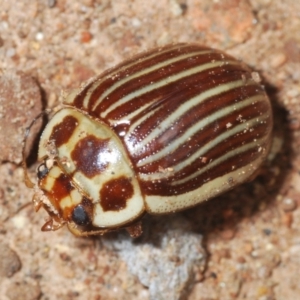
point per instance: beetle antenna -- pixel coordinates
(27, 180)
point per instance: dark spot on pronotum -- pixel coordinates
(91, 155)
(62, 132)
(80, 216)
(42, 171)
(115, 193)
(62, 187)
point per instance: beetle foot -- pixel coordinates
(50, 226)
(135, 230)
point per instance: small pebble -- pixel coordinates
(10, 52)
(255, 76)
(89, 3)
(51, 3)
(294, 124)
(289, 204)
(227, 234)
(287, 219)
(20, 103)
(267, 231)
(23, 291)
(19, 221)
(278, 60)
(223, 254)
(175, 8)
(39, 36)
(241, 260)
(9, 262)
(136, 22)
(292, 50)
(85, 37)
(248, 248)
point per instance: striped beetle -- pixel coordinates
(160, 132)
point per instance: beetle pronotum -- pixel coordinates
(160, 132)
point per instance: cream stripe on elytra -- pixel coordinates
(90, 91)
(115, 72)
(187, 105)
(145, 71)
(140, 120)
(176, 143)
(127, 118)
(153, 86)
(204, 149)
(221, 159)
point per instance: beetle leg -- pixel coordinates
(37, 204)
(135, 230)
(50, 226)
(37, 198)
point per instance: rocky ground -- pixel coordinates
(242, 245)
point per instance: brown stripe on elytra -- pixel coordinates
(201, 111)
(136, 84)
(144, 60)
(87, 155)
(164, 188)
(207, 108)
(115, 193)
(183, 95)
(155, 99)
(63, 131)
(164, 53)
(79, 99)
(232, 143)
(209, 133)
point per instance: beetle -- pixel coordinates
(161, 132)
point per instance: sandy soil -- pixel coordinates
(245, 244)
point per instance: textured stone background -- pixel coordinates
(242, 245)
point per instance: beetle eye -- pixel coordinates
(80, 216)
(42, 171)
